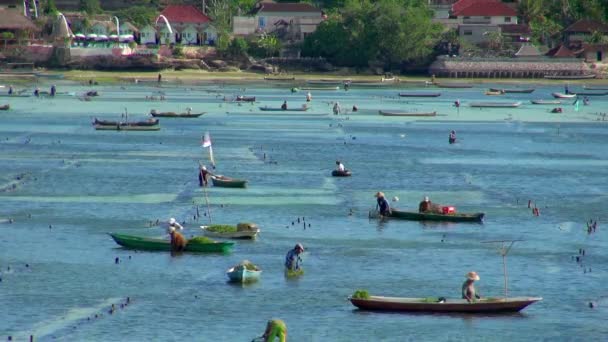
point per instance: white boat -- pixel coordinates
(563, 96)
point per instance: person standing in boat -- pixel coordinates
(178, 241)
(382, 205)
(308, 97)
(337, 108)
(425, 205)
(275, 328)
(36, 92)
(53, 90)
(468, 289)
(284, 105)
(292, 259)
(202, 176)
(10, 90)
(452, 138)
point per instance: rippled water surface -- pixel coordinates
(65, 186)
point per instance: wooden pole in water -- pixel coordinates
(205, 192)
(504, 251)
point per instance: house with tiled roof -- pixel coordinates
(189, 26)
(581, 30)
(289, 20)
(561, 51)
(12, 20)
(477, 18)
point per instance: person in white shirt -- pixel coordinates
(174, 225)
(308, 97)
(340, 167)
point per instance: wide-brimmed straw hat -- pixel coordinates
(379, 194)
(472, 276)
(299, 246)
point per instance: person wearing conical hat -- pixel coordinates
(468, 289)
(382, 205)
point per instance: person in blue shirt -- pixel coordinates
(382, 206)
(292, 259)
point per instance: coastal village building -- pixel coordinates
(289, 21)
(477, 18)
(190, 26)
(582, 30)
(12, 20)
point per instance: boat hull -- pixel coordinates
(243, 275)
(489, 306)
(271, 109)
(229, 182)
(248, 234)
(5, 107)
(579, 77)
(345, 173)
(546, 102)
(514, 91)
(153, 244)
(495, 105)
(416, 216)
(563, 96)
(419, 94)
(175, 115)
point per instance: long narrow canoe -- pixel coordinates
(416, 94)
(492, 92)
(243, 275)
(227, 182)
(576, 77)
(280, 78)
(175, 115)
(15, 95)
(154, 244)
(399, 304)
(546, 102)
(147, 125)
(241, 234)
(495, 104)
(392, 113)
(563, 96)
(515, 90)
(454, 85)
(321, 88)
(345, 173)
(594, 93)
(595, 87)
(416, 216)
(271, 109)
(241, 98)
(325, 82)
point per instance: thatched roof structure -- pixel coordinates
(13, 19)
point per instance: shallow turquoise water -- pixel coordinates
(77, 184)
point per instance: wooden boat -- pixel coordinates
(495, 104)
(321, 88)
(515, 90)
(273, 109)
(595, 93)
(345, 173)
(107, 125)
(595, 87)
(454, 85)
(242, 231)
(154, 244)
(416, 216)
(546, 102)
(279, 78)
(241, 274)
(325, 82)
(492, 92)
(488, 305)
(227, 182)
(414, 94)
(389, 79)
(5, 107)
(563, 96)
(174, 115)
(576, 77)
(245, 98)
(392, 113)
(15, 95)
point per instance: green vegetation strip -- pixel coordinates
(361, 294)
(221, 228)
(200, 240)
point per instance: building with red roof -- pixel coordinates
(477, 18)
(185, 24)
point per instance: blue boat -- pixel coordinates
(240, 274)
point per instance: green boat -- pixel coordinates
(416, 216)
(154, 244)
(227, 182)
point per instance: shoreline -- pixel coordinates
(171, 76)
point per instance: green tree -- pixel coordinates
(50, 8)
(597, 37)
(495, 40)
(139, 16)
(91, 7)
(271, 44)
(7, 36)
(238, 48)
(544, 30)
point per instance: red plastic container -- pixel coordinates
(448, 210)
